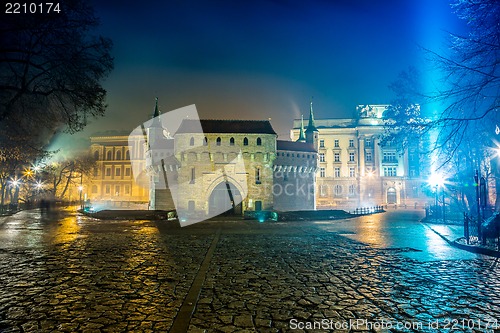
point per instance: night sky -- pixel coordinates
(264, 59)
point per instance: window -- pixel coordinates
(322, 143)
(336, 143)
(218, 141)
(368, 142)
(257, 175)
(323, 190)
(117, 190)
(118, 155)
(108, 172)
(127, 172)
(321, 157)
(336, 157)
(96, 172)
(352, 190)
(231, 142)
(205, 141)
(191, 141)
(390, 156)
(193, 176)
(336, 172)
(259, 142)
(351, 143)
(245, 142)
(351, 157)
(390, 172)
(337, 190)
(322, 172)
(108, 189)
(127, 189)
(96, 155)
(109, 156)
(352, 172)
(368, 157)
(94, 188)
(127, 155)
(118, 172)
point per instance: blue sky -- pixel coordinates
(262, 59)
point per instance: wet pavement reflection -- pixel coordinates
(68, 273)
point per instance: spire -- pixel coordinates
(302, 137)
(311, 127)
(156, 114)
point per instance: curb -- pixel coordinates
(468, 248)
(476, 249)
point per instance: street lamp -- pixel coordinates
(80, 189)
(437, 181)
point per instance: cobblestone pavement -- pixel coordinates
(70, 274)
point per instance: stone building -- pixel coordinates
(355, 170)
(228, 165)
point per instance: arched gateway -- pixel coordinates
(226, 198)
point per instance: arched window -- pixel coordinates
(127, 155)
(259, 142)
(118, 155)
(231, 142)
(218, 141)
(109, 156)
(191, 141)
(96, 155)
(205, 141)
(245, 142)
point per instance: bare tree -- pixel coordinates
(50, 72)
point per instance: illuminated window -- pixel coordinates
(336, 172)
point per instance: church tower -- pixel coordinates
(302, 136)
(311, 130)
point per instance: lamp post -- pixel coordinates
(476, 184)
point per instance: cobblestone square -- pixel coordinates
(68, 273)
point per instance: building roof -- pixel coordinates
(295, 146)
(311, 126)
(226, 126)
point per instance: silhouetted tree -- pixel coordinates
(50, 72)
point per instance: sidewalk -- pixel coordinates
(453, 233)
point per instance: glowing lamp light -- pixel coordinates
(15, 183)
(80, 188)
(38, 185)
(436, 179)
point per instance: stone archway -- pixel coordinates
(226, 199)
